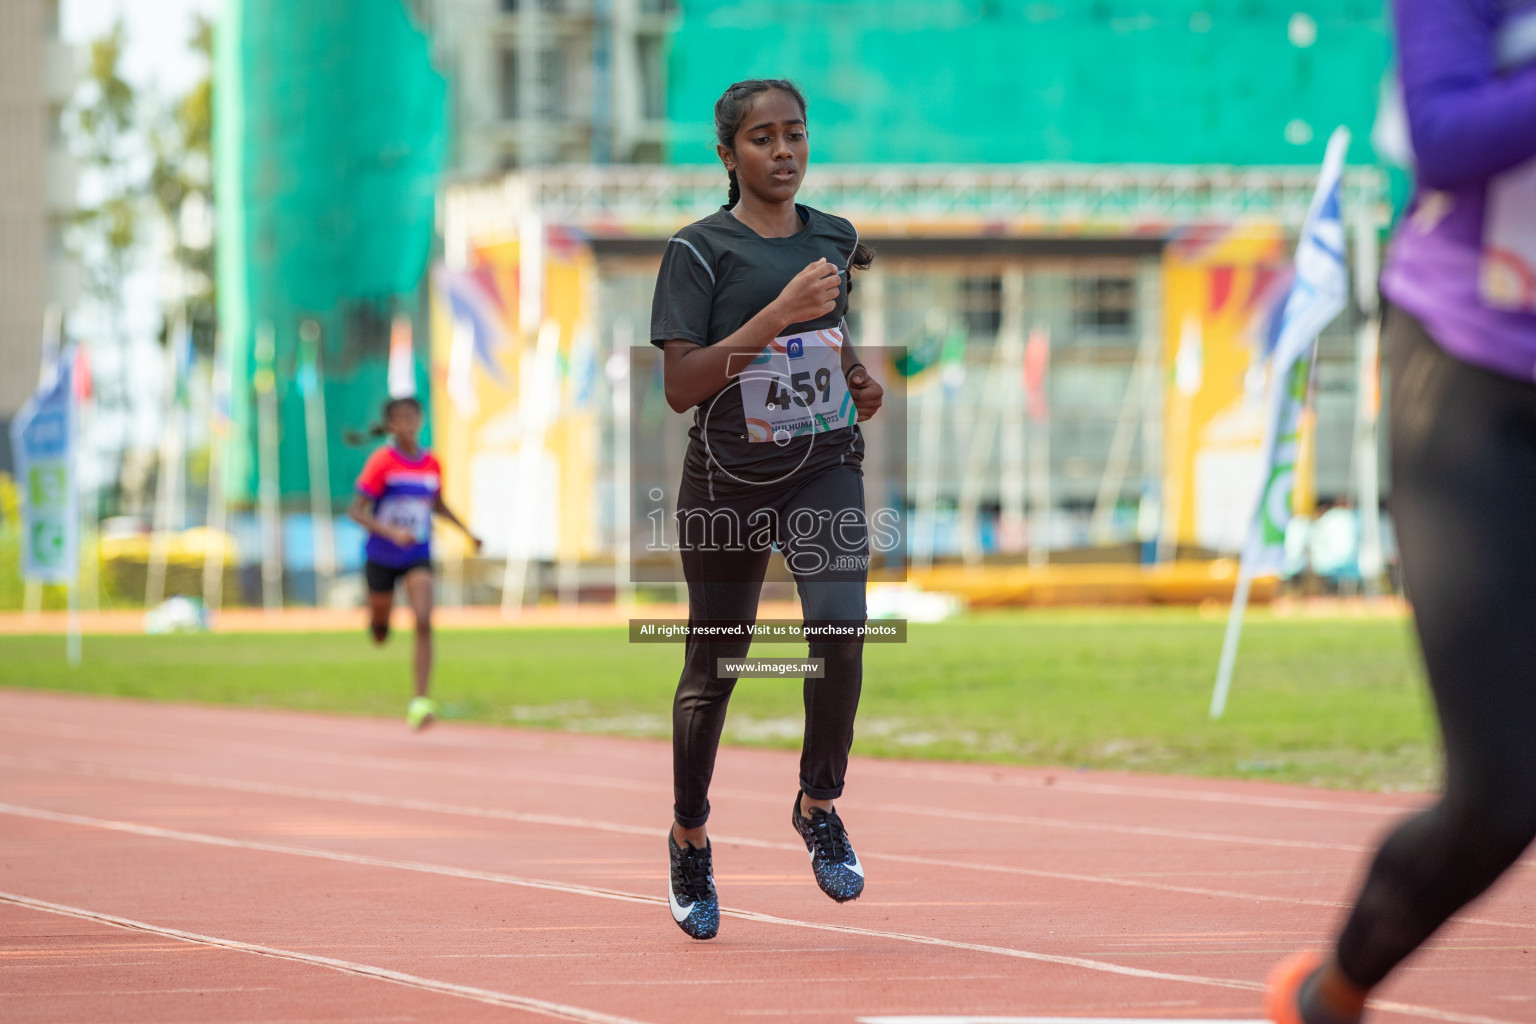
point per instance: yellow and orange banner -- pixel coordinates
(514, 428)
(1220, 289)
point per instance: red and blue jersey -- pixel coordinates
(404, 492)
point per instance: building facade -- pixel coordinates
(1116, 182)
(37, 192)
(916, 94)
(537, 82)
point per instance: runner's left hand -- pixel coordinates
(867, 393)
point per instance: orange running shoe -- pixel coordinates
(1282, 1005)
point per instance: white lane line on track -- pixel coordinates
(543, 1007)
(1061, 781)
(1101, 966)
(1065, 783)
(99, 769)
(1051, 1020)
(524, 741)
(1127, 830)
(480, 773)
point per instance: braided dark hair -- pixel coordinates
(732, 108)
(379, 429)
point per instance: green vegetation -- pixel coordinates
(1335, 702)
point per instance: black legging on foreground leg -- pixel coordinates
(1464, 502)
(820, 526)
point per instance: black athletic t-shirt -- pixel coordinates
(717, 274)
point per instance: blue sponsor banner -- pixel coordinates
(43, 448)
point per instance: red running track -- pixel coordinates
(167, 863)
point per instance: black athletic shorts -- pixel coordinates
(382, 578)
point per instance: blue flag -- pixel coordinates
(43, 447)
(1318, 294)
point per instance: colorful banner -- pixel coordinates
(43, 448)
(518, 435)
(1221, 288)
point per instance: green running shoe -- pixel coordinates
(421, 713)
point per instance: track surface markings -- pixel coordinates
(559, 1011)
(1051, 1020)
(505, 875)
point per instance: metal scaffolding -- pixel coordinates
(543, 82)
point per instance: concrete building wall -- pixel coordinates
(23, 205)
(537, 82)
(37, 191)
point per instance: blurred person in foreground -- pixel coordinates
(1460, 324)
(398, 491)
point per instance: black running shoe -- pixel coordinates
(833, 861)
(695, 907)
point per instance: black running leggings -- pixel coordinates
(1464, 502)
(820, 526)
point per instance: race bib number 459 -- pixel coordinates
(796, 386)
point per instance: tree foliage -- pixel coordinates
(105, 117)
(181, 184)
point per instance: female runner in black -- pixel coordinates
(1461, 336)
(749, 308)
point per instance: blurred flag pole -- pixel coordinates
(541, 413)
(1037, 370)
(1149, 512)
(90, 527)
(465, 403)
(178, 352)
(312, 388)
(218, 508)
(72, 641)
(1012, 525)
(402, 358)
(577, 386)
(1317, 295)
(267, 468)
(925, 496)
(531, 323)
(618, 379)
(1188, 377)
(1102, 526)
(53, 328)
(930, 428)
(1368, 402)
(984, 434)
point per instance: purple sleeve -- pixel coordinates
(1467, 122)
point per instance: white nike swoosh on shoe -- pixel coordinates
(679, 912)
(855, 867)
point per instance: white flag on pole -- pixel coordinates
(1317, 295)
(402, 359)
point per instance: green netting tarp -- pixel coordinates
(331, 126)
(1247, 82)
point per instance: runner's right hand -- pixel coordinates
(812, 293)
(400, 536)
